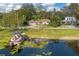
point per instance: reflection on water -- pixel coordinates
(53, 48)
(74, 45)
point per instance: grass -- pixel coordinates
(52, 33)
(5, 35)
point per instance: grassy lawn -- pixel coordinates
(52, 33)
(5, 35)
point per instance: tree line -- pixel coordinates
(28, 11)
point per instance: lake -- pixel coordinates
(53, 48)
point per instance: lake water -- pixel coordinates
(53, 48)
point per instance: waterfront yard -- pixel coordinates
(5, 35)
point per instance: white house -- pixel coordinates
(69, 20)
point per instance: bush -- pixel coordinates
(55, 21)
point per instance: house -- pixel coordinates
(69, 20)
(39, 22)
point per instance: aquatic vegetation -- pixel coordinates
(27, 44)
(2, 54)
(34, 45)
(47, 53)
(15, 49)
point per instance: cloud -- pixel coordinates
(17, 7)
(51, 8)
(2, 4)
(14, 6)
(67, 4)
(9, 6)
(48, 4)
(3, 7)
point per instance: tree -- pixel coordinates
(1, 18)
(29, 11)
(73, 7)
(20, 17)
(40, 15)
(13, 19)
(55, 21)
(56, 18)
(9, 20)
(70, 10)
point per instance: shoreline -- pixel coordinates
(61, 38)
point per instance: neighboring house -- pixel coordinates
(39, 22)
(69, 20)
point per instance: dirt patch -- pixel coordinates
(69, 38)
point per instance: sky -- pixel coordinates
(5, 7)
(57, 6)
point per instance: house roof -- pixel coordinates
(40, 20)
(69, 19)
